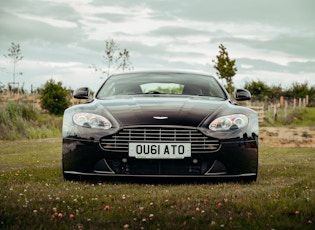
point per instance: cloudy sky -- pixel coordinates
(271, 40)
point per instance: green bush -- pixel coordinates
(54, 97)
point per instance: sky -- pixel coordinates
(271, 40)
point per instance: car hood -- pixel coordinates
(157, 110)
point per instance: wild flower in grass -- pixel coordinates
(60, 215)
(151, 216)
(126, 226)
(71, 216)
(123, 197)
(106, 208)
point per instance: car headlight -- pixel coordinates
(90, 120)
(235, 121)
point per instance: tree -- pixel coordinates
(124, 60)
(300, 90)
(275, 92)
(54, 97)
(258, 89)
(114, 59)
(15, 56)
(225, 67)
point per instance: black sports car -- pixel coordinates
(160, 124)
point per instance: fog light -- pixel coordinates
(124, 160)
(195, 161)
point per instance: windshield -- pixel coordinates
(161, 83)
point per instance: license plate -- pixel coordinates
(160, 150)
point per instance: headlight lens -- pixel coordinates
(90, 120)
(235, 121)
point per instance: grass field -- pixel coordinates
(33, 195)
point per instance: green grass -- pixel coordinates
(33, 195)
(19, 120)
(306, 117)
(293, 117)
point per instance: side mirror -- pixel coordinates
(82, 93)
(242, 95)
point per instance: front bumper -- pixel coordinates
(235, 159)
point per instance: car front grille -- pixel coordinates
(199, 142)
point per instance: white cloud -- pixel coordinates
(61, 39)
(49, 21)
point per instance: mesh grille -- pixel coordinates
(199, 142)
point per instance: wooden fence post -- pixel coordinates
(281, 101)
(275, 115)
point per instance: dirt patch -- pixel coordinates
(287, 137)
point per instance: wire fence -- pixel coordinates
(282, 105)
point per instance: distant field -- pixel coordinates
(33, 195)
